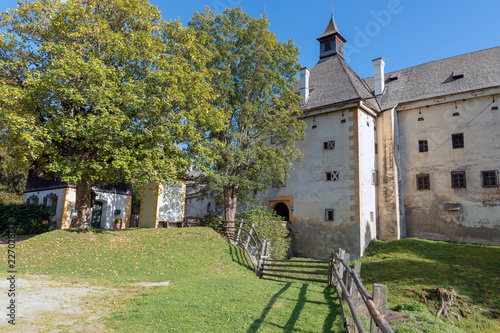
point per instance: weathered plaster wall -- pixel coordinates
(309, 194)
(389, 224)
(171, 202)
(367, 187)
(479, 217)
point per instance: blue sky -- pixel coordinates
(405, 32)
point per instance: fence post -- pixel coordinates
(249, 237)
(380, 301)
(345, 276)
(353, 291)
(239, 232)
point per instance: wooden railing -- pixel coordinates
(336, 272)
(349, 288)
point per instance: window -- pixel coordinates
(374, 177)
(328, 45)
(489, 178)
(423, 182)
(372, 216)
(328, 214)
(376, 148)
(457, 141)
(329, 145)
(423, 146)
(332, 175)
(458, 179)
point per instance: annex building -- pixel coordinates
(412, 153)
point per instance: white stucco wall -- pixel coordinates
(479, 217)
(367, 190)
(112, 202)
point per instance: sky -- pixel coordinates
(405, 33)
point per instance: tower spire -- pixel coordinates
(331, 41)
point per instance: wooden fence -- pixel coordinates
(335, 272)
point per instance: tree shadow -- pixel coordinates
(239, 256)
(290, 324)
(334, 309)
(257, 322)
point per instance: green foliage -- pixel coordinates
(213, 221)
(103, 90)
(136, 199)
(253, 76)
(420, 320)
(27, 218)
(268, 226)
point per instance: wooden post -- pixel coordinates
(353, 291)
(380, 300)
(239, 232)
(345, 276)
(249, 237)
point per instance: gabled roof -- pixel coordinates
(332, 82)
(463, 73)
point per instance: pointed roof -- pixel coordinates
(332, 82)
(331, 30)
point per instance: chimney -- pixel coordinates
(304, 85)
(379, 65)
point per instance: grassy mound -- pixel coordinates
(413, 269)
(213, 286)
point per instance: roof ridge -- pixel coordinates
(352, 72)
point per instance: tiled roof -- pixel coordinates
(463, 73)
(332, 82)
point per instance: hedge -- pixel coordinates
(28, 218)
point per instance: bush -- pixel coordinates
(268, 226)
(213, 221)
(28, 218)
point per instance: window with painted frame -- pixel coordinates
(329, 145)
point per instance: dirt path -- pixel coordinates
(47, 305)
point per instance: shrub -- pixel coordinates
(269, 226)
(28, 218)
(213, 221)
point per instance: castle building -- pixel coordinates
(411, 153)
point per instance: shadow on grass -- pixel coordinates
(257, 322)
(334, 309)
(290, 324)
(239, 256)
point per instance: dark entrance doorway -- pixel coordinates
(95, 220)
(282, 210)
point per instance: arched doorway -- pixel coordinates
(282, 210)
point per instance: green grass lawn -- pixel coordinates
(414, 267)
(214, 288)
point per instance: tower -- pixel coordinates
(331, 41)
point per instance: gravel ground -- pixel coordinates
(46, 305)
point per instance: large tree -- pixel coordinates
(101, 92)
(253, 76)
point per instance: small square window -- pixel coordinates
(489, 178)
(328, 214)
(423, 146)
(458, 179)
(329, 145)
(328, 45)
(423, 182)
(457, 141)
(332, 176)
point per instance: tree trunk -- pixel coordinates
(82, 204)
(230, 203)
